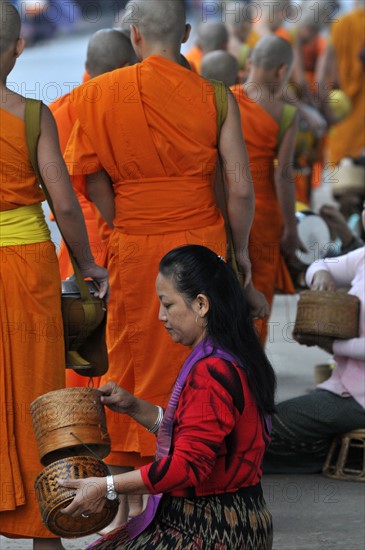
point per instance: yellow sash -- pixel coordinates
(23, 225)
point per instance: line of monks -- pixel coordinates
(140, 142)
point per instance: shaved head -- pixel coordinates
(108, 49)
(9, 26)
(271, 52)
(275, 12)
(212, 35)
(220, 65)
(160, 21)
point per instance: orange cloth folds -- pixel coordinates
(146, 207)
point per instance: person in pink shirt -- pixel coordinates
(303, 427)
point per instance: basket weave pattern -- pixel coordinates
(52, 498)
(64, 419)
(333, 315)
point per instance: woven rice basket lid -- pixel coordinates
(74, 404)
(330, 313)
(348, 177)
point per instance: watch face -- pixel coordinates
(111, 495)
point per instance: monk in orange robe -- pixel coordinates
(148, 145)
(346, 42)
(108, 49)
(31, 333)
(269, 126)
(211, 36)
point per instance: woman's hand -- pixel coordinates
(117, 399)
(322, 280)
(89, 498)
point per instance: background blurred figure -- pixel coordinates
(211, 36)
(220, 65)
(273, 17)
(347, 138)
(238, 18)
(269, 126)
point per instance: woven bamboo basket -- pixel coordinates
(66, 420)
(325, 316)
(52, 498)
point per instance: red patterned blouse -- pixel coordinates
(219, 436)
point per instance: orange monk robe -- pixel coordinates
(195, 57)
(65, 120)
(158, 143)
(347, 138)
(284, 33)
(31, 340)
(261, 133)
(311, 51)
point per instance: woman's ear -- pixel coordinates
(202, 305)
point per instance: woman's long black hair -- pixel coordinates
(194, 270)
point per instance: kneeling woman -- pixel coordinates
(205, 483)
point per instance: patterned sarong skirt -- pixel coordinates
(231, 521)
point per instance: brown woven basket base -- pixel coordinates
(312, 339)
(52, 498)
(69, 527)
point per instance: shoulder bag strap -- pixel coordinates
(32, 131)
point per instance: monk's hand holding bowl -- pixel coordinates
(322, 280)
(100, 276)
(89, 498)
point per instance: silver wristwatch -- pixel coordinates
(111, 493)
